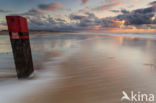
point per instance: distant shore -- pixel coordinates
(32, 32)
(5, 32)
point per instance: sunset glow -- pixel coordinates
(134, 30)
(118, 16)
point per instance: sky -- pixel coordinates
(83, 15)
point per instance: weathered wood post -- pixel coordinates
(19, 37)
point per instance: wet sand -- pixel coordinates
(91, 69)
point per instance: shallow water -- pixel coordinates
(76, 68)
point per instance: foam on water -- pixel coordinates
(11, 90)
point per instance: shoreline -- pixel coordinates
(34, 32)
(39, 32)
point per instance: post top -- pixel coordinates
(17, 24)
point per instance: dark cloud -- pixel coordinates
(43, 8)
(51, 23)
(115, 11)
(138, 17)
(90, 20)
(55, 6)
(48, 23)
(124, 11)
(77, 16)
(34, 12)
(153, 3)
(87, 21)
(120, 11)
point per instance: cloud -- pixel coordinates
(84, 1)
(34, 12)
(90, 21)
(115, 11)
(138, 17)
(43, 8)
(55, 6)
(120, 11)
(48, 23)
(51, 23)
(124, 11)
(77, 16)
(107, 6)
(153, 4)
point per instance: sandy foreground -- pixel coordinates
(81, 69)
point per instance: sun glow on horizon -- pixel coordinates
(134, 30)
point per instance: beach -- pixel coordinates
(81, 68)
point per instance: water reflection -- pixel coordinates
(104, 67)
(100, 69)
(129, 48)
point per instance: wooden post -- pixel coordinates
(19, 37)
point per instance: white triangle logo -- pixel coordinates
(125, 96)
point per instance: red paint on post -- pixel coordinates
(17, 24)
